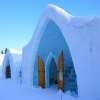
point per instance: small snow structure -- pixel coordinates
(64, 53)
(12, 64)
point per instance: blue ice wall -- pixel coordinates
(53, 42)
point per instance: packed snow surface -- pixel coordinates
(12, 90)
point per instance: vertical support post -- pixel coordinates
(61, 71)
(41, 72)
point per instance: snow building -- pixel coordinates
(12, 64)
(64, 52)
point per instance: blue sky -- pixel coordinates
(19, 18)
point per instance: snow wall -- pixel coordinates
(82, 35)
(1, 63)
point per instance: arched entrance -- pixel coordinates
(41, 72)
(8, 72)
(53, 40)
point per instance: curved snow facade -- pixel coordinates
(81, 35)
(12, 59)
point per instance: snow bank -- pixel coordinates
(13, 58)
(82, 35)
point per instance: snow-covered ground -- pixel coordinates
(12, 90)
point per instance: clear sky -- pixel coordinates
(19, 18)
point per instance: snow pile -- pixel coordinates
(82, 35)
(13, 59)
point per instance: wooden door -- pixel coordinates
(8, 72)
(41, 72)
(61, 71)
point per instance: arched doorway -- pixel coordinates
(8, 72)
(51, 73)
(41, 72)
(53, 40)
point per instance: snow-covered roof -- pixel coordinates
(52, 12)
(14, 55)
(14, 51)
(62, 18)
